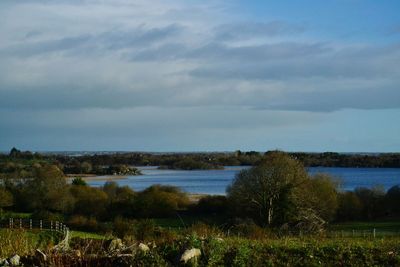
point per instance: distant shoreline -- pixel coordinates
(94, 177)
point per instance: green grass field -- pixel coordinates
(386, 226)
(183, 221)
(86, 235)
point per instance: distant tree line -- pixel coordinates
(238, 158)
(106, 164)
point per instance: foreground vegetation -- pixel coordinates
(22, 242)
(165, 248)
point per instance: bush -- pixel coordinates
(248, 229)
(160, 201)
(204, 230)
(83, 223)
(123, 227)
(89, 201)
(211, 205)
(146, 230)
(78, 181)
(47, 216)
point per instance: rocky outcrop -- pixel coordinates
(190, 254)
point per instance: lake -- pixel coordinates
(216, 181)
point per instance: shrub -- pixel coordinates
(123, 227)
(248, 229)
(211, 205)
(78, 181)
(89, 201)
(204, 230)
(160, 201)
(83, 223)
(47, 216)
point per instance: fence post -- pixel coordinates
(41, 225)
(30, 224)
(353, 233)
(51, 226)
(20, 223)
(10, 223)
(374, 232)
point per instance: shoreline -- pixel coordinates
(93, 177)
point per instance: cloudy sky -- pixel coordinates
(204, 75)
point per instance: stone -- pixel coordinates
(77, 253)
(143, 247)
(116, 244)
(15, 260)
(190, 254)
(4, 262)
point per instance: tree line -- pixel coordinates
(100, 163)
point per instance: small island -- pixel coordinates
(191, 164)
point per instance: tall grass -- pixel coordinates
(23, 242)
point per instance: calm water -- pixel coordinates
(216, 181)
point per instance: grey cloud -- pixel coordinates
(245, 30)
(328, 101)
(257, 53)
(138, 37)
(285, 61)
(174, 127)
(215, 51)
(66, 97)
(153, 59)
(169, 51)
(87, 43)
(44, 47)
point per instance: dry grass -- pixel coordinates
(23, 242)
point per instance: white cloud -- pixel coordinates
(156, 64)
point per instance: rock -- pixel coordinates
(116, 244)
(125, 256)
(77, 253)
(143, 247)
(14, 260)
(4, 262)
(190, 254)
(40, 255)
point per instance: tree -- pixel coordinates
(90, 201)
(350, 206)
(392, 199)
(160, 201)
(48, 190)
(323, 196)
(14, 153)
(372, 201)
(121, 200)
(270, 193)
(6, 198)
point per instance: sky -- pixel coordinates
(208, 75)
